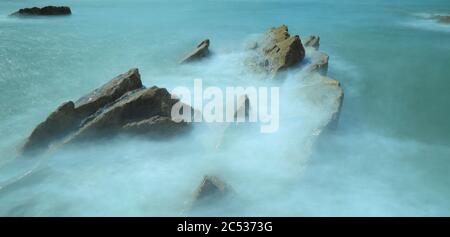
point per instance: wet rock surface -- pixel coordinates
(201, 51)
(44, 11)
(121, 105)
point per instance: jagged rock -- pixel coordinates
(109, 92)
(70, 115)
(279, 50)
(127, 112)
(442, 19)
(57, 124)
(201, 51)
(312, 41)
(319, 63)
(211, 188)
(45, 11)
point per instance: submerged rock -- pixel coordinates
(210, 189)
(442, 19)
(278, 50)
(312, 41)
(243, 108)
(200, 52)
(44, 11)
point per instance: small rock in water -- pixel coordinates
(200, 52)
(211, 188)
(278, 50)
(312, 41)
(442, 19)
(44, 11)
(70, 115)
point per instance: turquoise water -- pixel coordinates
(389, 156)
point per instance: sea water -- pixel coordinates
(389, 156)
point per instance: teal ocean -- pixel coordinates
(389, 157)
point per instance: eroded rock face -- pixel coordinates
(200, 52)
(109, 92)
(278, 50)
(312, 41)
(45, 11)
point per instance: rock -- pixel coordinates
(319, 63)
(243, 121)
(157, 126)
(131, 112)
(334, 121)
(70, 115)
(243, 108)
(200, 52)
(442, 19)
(326, 96)
(279, 50)
(109, 92)
(211, 188)
(45, 11)
(312, 41)
(57, 124)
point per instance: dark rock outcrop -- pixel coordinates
(200, 52)
(45, 11)
(312, 41)
(70, 115)
(278, 50)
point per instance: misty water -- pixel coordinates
(389, 156)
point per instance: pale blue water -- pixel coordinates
(389, 157)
